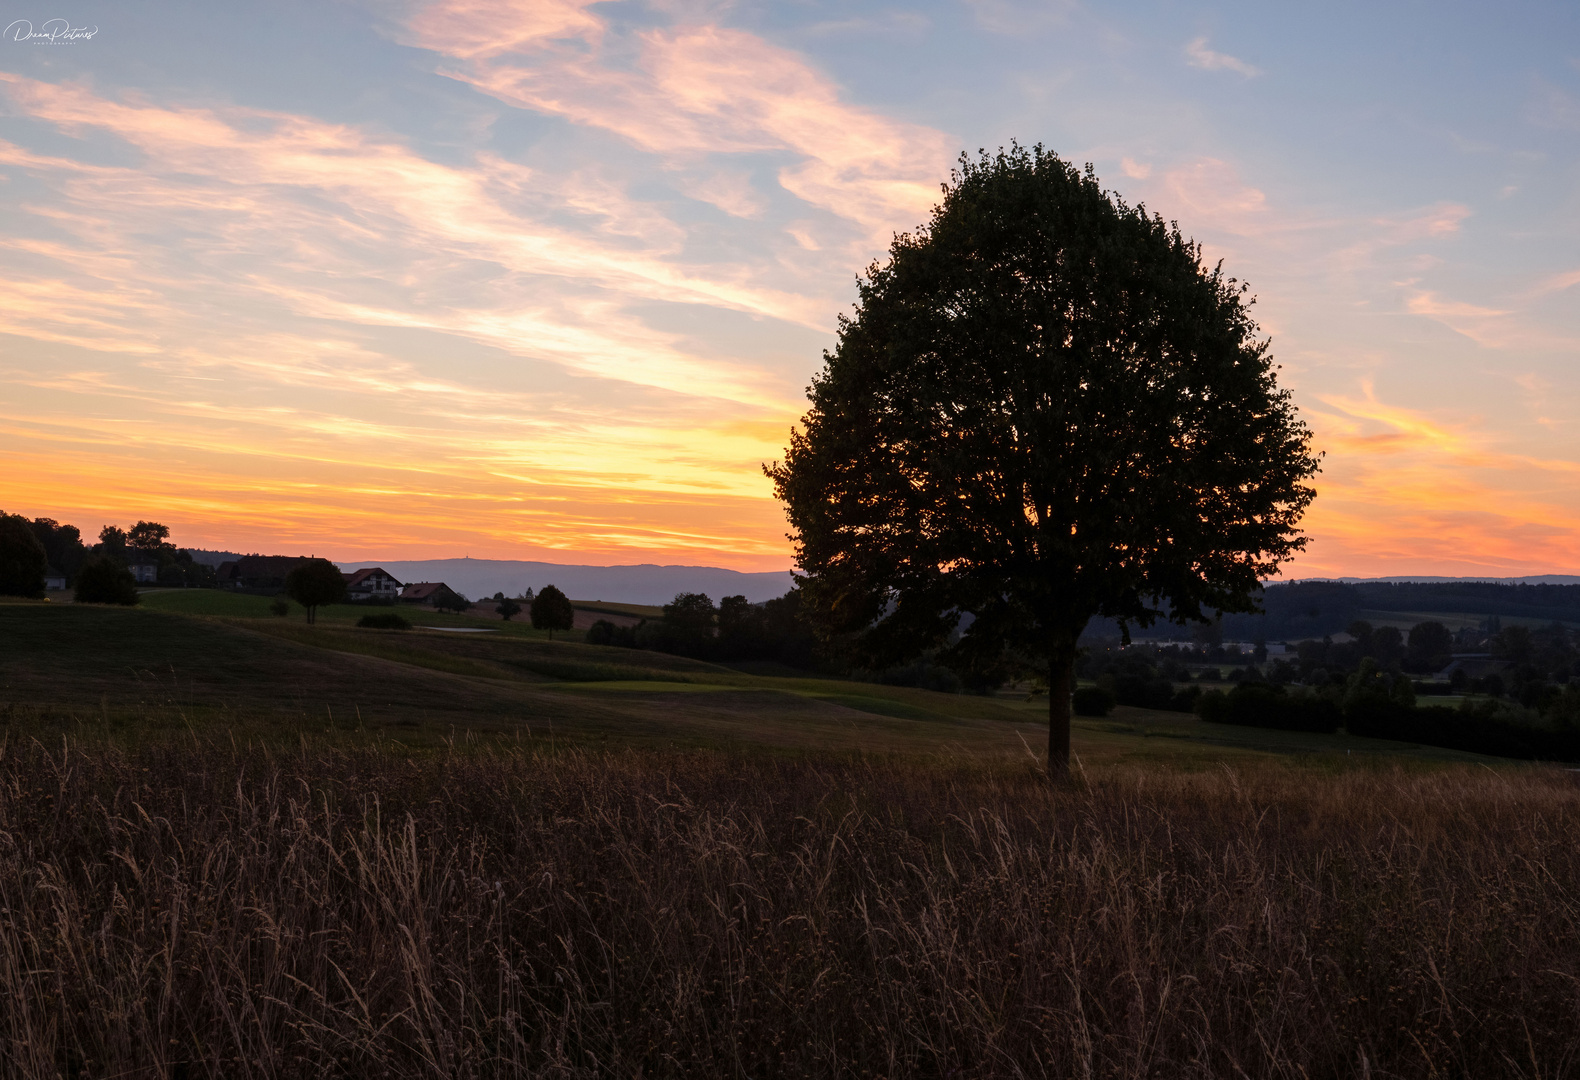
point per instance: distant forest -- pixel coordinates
(1312, 609)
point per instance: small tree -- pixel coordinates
(23, 560)
(62, 545)
(104, 579)
(450, 600)
(551, 611)
(112, 541)
(313, 583)
(147, 536)
(507, 608)
(689, 624)
(1045, 409)
(1431, 647)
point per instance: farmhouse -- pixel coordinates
(432, 593)
(371, 583)
(54, 579)
(144, 568)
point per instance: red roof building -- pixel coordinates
(432, 593)
(372, 583)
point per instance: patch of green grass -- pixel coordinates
(602, 607)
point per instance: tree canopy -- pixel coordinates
(148, 536)
(1045, 408)
(22, 558)
(313, 583)
(551, 610)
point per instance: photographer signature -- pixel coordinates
(52, 32)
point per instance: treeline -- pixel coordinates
(734, 631)
(33, 549)
(1312, 609)
(737, 631)
(1525, 704)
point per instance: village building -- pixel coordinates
(372, 583)
(431, 593)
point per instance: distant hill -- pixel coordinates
(1309, 609)
(645, 583)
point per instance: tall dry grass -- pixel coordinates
(207, 911)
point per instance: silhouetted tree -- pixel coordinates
(22, 558)
(1429, 648)
(507, 608)
(62, 545)
(688, 624)
(551, 611)
(1387, 645)
(450, 600)
(147, 536)
(1045, 409)
(112, 542)
(1513, 643)
(104, 579)
(313, 583)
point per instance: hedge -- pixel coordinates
(1257, 705)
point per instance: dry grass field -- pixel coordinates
(243, 847)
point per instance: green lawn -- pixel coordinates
(602, 607)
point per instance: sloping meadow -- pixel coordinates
(207, 910)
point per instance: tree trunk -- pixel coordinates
(1061, 684)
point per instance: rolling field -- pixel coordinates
(233, 845)
(146, 670)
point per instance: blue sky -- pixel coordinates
(547, 280)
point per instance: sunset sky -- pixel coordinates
(547, 280)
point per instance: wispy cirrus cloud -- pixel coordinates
(685, 91)
(462, 332)
(1198, 55)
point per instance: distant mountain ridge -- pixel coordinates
(1406, 579)
(642, 583)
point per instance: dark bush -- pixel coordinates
(388, 621)
(1092, 701)
(280, 608)
(604, 632)
(1184, 699)
(1467, 728)
(1143, 691)
(922, 674)
(103, 580)
(1263, 706)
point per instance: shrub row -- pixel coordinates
(1459, 729)
(1378, 717)
(1256, 705)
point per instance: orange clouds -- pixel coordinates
(1401, 489)
(565, 299)
(700, 90)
